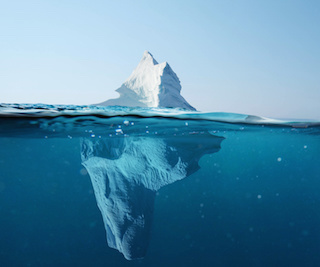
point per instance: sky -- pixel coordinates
(250, 56)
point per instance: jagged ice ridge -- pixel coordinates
(151, 84)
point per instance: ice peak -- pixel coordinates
(150, 85)
(148, 57)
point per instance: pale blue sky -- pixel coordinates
(253, 57)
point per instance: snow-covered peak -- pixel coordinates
(150, 85)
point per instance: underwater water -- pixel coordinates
(115, 186)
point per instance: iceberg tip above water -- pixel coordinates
(151, 84)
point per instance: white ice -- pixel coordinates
(150, 85)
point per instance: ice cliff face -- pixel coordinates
(126, 173)
(150, 85)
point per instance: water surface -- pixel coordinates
(246, 194)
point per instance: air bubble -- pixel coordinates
(119, 131)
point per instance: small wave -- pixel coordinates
(50, 111)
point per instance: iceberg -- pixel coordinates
(150, 85)
(126, 172)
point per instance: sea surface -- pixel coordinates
(248, 193)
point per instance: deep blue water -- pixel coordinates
(254, 202)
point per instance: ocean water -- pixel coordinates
(186, 188)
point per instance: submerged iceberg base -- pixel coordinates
(126, 173)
